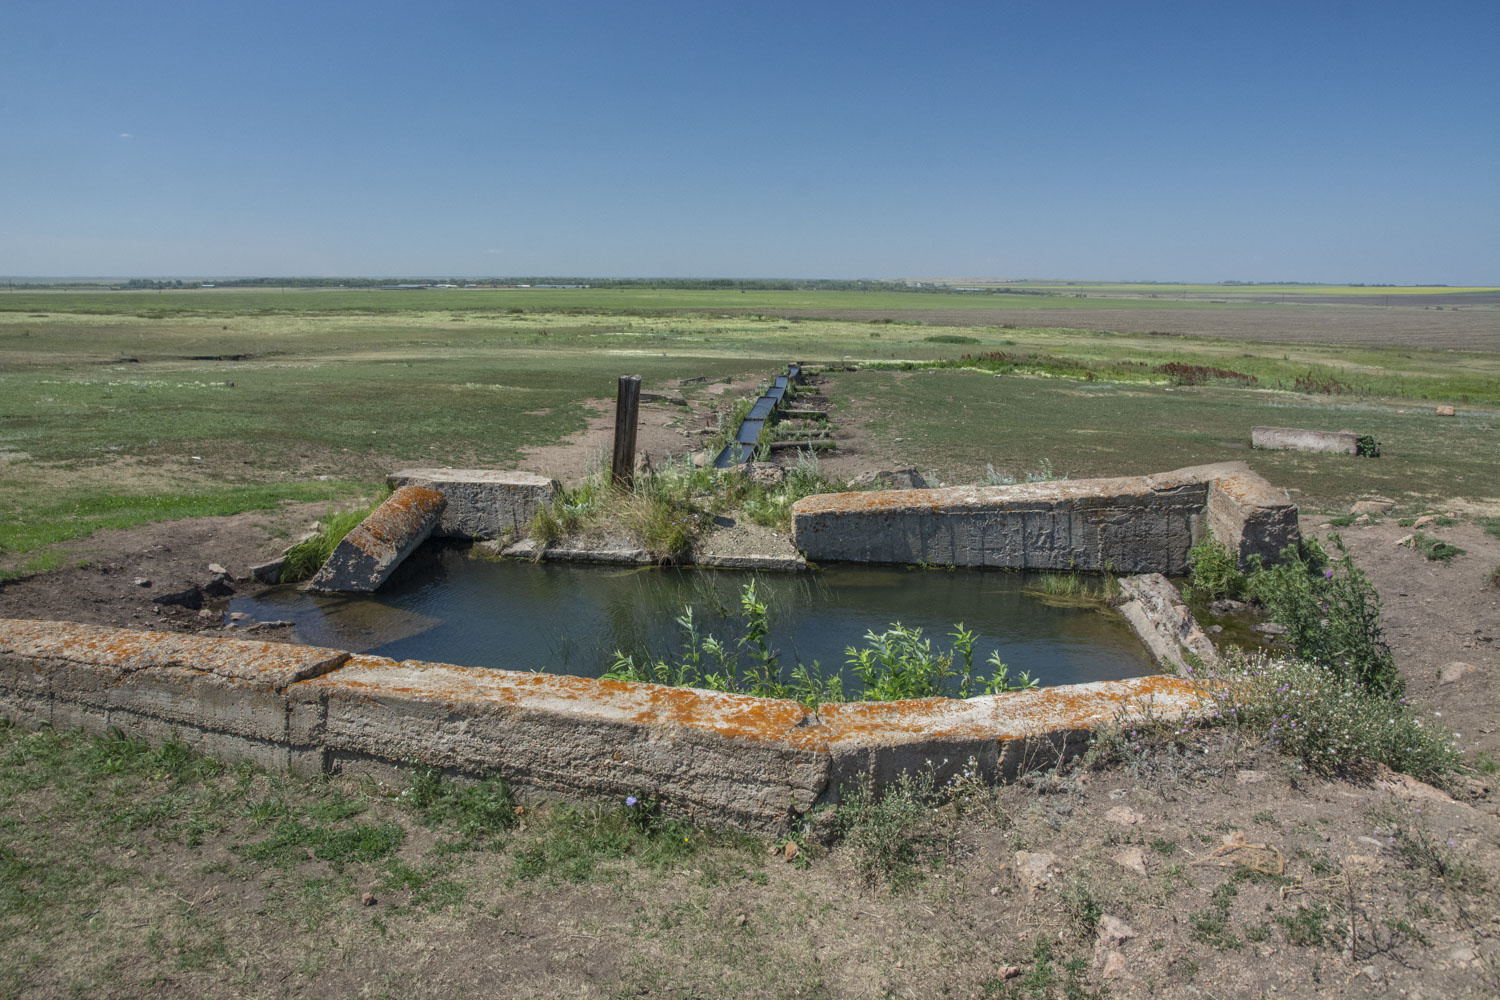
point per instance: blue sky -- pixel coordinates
(1192, 141)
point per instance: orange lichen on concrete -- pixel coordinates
(758, 762)
(730, 716)
(1012, 715)
(390, 524)
(121, 651)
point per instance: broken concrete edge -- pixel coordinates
(718, 758)
(482, 504)
(1128, 524)
(1156, 611)
(371, 551)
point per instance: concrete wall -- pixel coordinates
(723, 758)
(1135, 524)
(482, 503)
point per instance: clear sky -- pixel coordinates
(1338, 141)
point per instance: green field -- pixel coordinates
(120, 407)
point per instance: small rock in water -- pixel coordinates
(1268, 628)
(237, 616)
(1225, 606)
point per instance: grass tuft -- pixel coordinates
(305, 558)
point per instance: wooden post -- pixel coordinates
(627, 408)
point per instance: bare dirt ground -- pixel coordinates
(1214, 870)
(1474, 328)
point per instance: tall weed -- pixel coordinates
(1331, 613)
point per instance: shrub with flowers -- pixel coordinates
(1331, 613)
(1324, 719)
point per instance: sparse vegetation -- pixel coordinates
(894, 834)
(1326, 720)
(308, 556)
(1435, 549)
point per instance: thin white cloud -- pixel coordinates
(126, 135)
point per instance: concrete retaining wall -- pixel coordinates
(1135, 524)
(724, 758)
(482, 503)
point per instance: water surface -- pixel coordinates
(456, 605)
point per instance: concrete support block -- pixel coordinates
(482, 503)
(96, 678)
(1251, 517)
(1301, 439)
(370, 553)
(1137, 524)
(1006, 733)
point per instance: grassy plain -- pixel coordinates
(123, 407)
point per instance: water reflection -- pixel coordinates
(453, 605)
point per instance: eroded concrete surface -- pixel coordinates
(1130, 524)
(752, 762)
(370, 553)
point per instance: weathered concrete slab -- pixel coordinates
(482, 503)
(1156, 611)
(746, 760)
(1006, 734)
(753, 762)
(370, 553)
(1250, 516)
(1131, 524)
(158, 685)
(1302, 439)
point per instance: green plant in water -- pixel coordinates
(1075, 589)
(1215, 572)
(898, 663)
